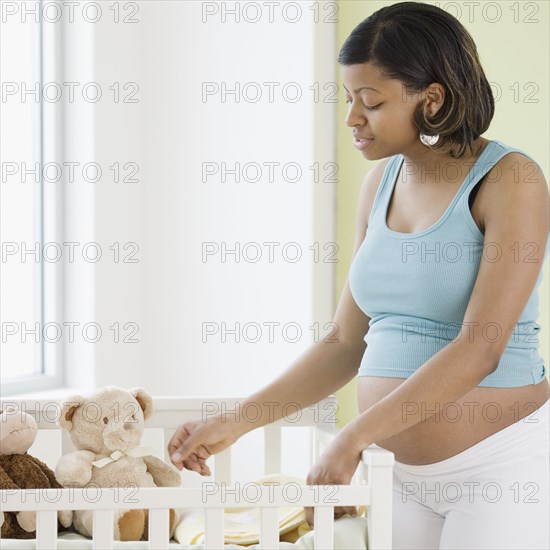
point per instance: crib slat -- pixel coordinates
(222, 466)
(46, 530)
(323, 519)
(214, 526)
(269, 529)
(378, 464)
(314, 450)
(159, 529)
(103, 529)
(272, 449)
(319, 441)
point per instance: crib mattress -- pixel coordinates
(348, 533)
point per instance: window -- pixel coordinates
(30, 298)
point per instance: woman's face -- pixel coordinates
(380, 112)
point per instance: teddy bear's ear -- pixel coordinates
(144, 399)
(68, 408)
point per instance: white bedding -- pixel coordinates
(348, 533)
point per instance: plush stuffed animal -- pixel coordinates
(20, 470)
(107, 428)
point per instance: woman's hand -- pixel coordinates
(195, 441)
(336, 466)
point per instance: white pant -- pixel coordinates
(494, 495)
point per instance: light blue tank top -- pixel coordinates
(415, 287)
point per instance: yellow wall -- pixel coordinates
(511, 51)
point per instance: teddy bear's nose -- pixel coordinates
(128, 426)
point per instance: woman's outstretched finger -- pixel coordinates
(191, 463)
(195, 460)
(177, 442)
(189, 446)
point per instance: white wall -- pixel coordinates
(171, 212)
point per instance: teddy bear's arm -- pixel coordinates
(6, 482)
(162, 473)
(47, 472)
(75, 469)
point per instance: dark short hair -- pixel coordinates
(418, 44)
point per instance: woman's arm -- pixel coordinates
(444, 378)
(516, 223)
(322, 369)
(326, 366)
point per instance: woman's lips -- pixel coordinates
(362, 144)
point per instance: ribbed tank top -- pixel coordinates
(415, 287)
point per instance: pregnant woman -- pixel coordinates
(438, 316)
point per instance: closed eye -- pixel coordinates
(373, 108)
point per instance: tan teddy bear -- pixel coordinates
(106, 428)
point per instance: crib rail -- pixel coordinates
(170, 412)
(213, 498)
(371, 486)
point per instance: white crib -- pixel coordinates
(371, 485)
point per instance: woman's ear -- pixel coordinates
(434, 99)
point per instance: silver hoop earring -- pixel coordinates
(429, 140)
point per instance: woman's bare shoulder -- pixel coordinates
(515, 174)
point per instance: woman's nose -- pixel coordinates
(355, 117)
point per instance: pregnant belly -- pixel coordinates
(456, 426)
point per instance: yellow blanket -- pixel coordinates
(242, 525)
